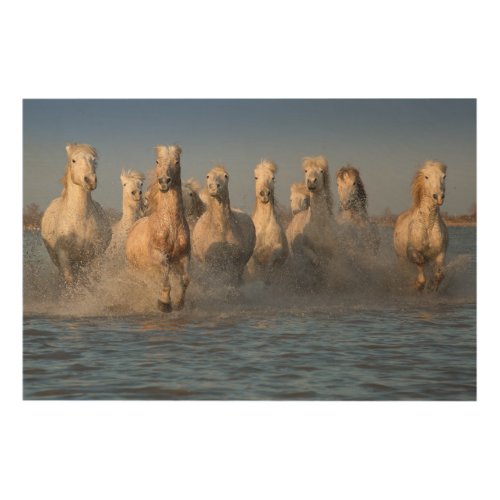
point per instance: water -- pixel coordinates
(370, 341)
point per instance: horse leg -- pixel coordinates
(65, 268)
(164, 304)
(418, 259)
(420, 282)
(438, 271)
(182, 269)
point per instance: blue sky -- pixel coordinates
(385, 139)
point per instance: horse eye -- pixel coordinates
(426, 177)
(225, 175)
(74, 161)
(207, 176)
(190, 194)
(273, 179)
(157, 162)
(255, 178)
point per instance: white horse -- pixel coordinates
(420, 234)
(161, 240)
(353, 220)
(311, 232)
(192, 202)
(75, 228)
(131, 209)
(193, 205)
(223, 238)
(271, 247)
(299, 198)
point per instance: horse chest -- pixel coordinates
(171, 240)
(429, 239)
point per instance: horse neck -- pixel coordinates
(318, 206)
(220, 209)
(169, 205)
(130, 210)
(76, 198)
(264, 211)
(427, 212)
(354, 211)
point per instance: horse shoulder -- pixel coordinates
(50, 218)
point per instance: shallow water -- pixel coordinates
(375, 340)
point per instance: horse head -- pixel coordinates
(193, 206)
(217, 182)
(316, 173)
(299, 198)
(429, 182)
(350, 187)
(132, 187)
(264, 181)
(168, 166)
(81, 165)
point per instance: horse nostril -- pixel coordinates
(435, 196)
(169, 180)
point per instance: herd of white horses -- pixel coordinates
(172, 221)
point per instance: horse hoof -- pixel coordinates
(164, 307)
(179, 306)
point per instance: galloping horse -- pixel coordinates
(223, 238)
(161, 240)
(353, 215)
(420, 234)
(75, 228)
(271, 247)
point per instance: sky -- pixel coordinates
(386, 139)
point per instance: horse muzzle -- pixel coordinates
(214, 189)
(439, 198)
(90, 182)
(165, 183)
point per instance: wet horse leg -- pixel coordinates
(164, 304)
(65, 268)
(438, 271)
(416, 257)
(182, 269)
(420, 282)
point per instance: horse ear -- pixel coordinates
(69, 148)
(122, 175)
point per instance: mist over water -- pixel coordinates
(363, 334)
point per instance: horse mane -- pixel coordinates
(266, 165)
(163, 151)
(72, 148)
(192, 184)
(300, 188)
(362, 199)
(132, 175)
(220, 169)
(417, 185)
(321, 163)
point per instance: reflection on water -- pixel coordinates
(371, 342)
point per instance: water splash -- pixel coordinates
(352, 281)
